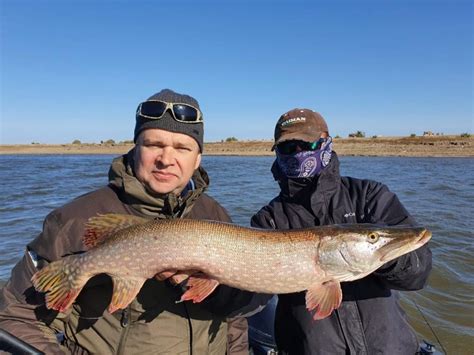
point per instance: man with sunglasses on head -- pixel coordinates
(313, 193)
(159, 178)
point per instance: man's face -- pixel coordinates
(165, 161)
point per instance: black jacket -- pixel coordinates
(370, 319)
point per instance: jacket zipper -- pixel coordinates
(124, 322)
(326, 213)
(341, 321)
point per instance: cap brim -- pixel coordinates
(298, 136)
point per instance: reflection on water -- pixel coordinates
(439, 192)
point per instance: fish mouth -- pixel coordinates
(396, 249)
(425, 237)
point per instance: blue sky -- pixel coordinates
(78, 69)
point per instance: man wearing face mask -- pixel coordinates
(313, 193)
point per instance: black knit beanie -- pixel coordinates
(167, 122)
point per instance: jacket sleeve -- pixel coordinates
(21, 313)
(262, 220)
(410, 271)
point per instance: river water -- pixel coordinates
(438, 192)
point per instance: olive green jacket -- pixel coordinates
(152, 324)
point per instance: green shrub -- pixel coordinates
(358, 134)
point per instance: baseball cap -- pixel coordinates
(299, 124)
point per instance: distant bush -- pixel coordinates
(231, 139)
(337, 136)
(76, 141)
(375, 136)
(109, 141)
(413, 135)
(465, 135)
(358, 134)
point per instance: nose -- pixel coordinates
(166, 157)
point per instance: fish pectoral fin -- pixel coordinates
(324, 298)
(199, 287)
(101, 227)
(125, 291)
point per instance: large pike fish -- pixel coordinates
(132, 249)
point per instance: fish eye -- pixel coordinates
(373, 237)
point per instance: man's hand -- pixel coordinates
(175, 276)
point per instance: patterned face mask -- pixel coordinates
(306, 163)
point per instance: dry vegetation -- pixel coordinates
(435, 146)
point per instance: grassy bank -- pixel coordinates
(435, 146)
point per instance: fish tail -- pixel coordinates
(61, 283)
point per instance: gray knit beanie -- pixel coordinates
(167, 122)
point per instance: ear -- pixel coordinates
(198, 161)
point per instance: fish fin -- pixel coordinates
(324, 298)
(125, 290)
(101, 227)
(61, 284)
(199, 287)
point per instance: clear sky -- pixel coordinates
(78, 69)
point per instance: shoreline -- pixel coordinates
(433, 146)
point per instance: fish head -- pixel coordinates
(351, 252)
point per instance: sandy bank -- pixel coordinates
(437, 146)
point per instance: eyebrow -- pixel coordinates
(184, 145)
(151, 141)
(148, 141)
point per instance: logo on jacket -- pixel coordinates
(350, 214)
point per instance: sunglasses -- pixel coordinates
(154, 110)
(292, 147)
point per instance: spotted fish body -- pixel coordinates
(131, 250)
